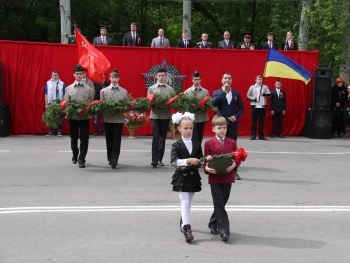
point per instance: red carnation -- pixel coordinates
(151, 98)
(202, 102)
(171, 100)
(63, 104)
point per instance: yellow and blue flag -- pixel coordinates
(278, 65)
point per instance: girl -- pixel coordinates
(185, 154)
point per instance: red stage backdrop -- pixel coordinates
(27, 66)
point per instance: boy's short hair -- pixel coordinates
(218, 121)
(184, 31)
(114, 74)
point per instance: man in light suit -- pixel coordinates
(230, 106)
(257, 94)
(103, 39)
(160, 41)
(185, 42)
(269, 44)
(133, 38)
(200, 117)
(226, 43)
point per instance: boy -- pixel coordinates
(54, 89)
(220, 184)
(79, 91)
(113, 124)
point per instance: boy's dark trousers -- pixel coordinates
(113, 133)
(220, 194)
(83, 126)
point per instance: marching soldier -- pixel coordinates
(204, 43)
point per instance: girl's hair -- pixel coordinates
(177, 133)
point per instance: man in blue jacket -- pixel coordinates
(229, 104)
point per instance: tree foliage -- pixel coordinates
(38, 20)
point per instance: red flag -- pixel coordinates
(92, 59)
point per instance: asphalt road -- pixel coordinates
(292, 204)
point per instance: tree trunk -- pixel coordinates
(304, 25)
(65, 20)
(186, 17)
(344, 66)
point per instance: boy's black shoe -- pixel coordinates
(237, 177)
(81, 164)
(225, 237)
(154, 164)
(214, 230)
(74, 159)
(114, 163)
(252, 137)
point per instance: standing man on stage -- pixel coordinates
(79, 91)
(185, 42)
(227, 43)
(230, 106)
(257, 94)
(246, 44)
(204, 43)
(269, 43)
(200, 117)
(133, 38)
(103, 39)
(160, 119)
(160, 41)
(113, 124)
(278, 109)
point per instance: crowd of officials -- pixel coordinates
(136, 39)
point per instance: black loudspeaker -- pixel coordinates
(322, 89)
(4, 121)
(318, 124)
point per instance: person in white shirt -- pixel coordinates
(160, 41)
(54, 89)
(256, 94)
(289, 44)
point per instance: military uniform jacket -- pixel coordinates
(75, 92)
(200, 93)
(204, 45)
(244, 45)
(187, 180)
(113, 94)
(160, 113)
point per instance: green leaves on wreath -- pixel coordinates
(181, 103)
(192, 101)
(74, 107)
(95, 109)
(208, 106)
(53, 114)
(140, 104)
(161, 100)
(111, 107)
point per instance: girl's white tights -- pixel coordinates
(186, 201)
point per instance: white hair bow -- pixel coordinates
(178, 116)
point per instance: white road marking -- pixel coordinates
(296, 153)
(4, 151)
(17, 210)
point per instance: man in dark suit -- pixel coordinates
(103, 39)
(289, 44)
(269, 43)
(204, 43)
(133, 38)
(229, 104)
(226, 43)
(185, 42)
(278, 108)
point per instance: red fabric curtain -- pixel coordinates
(27, 66)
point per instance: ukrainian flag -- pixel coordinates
(278, 65)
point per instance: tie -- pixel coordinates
(78, 85)
(133, 39)
(226, 43)
(221, 140)
(161, 85)
(115, 87)
(161, 42)
(270, 44)
(185, 41)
